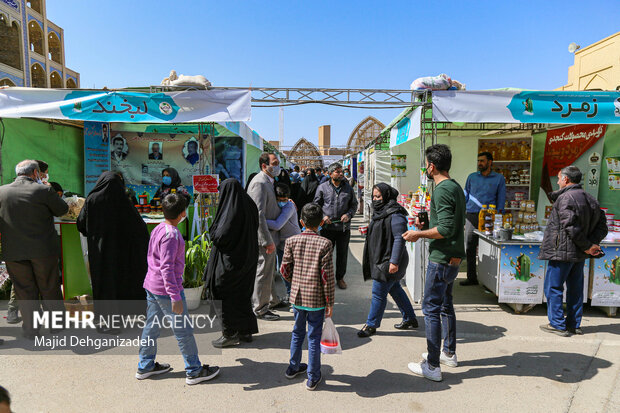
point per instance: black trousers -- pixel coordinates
(340, 241)
(471, 246)
(34, 278)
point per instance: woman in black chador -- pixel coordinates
(231, 270)
(117, 243)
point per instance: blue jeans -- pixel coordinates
(286, 283)
(380, 292)
(439, 317)
(159, 306)
(558, 273)
(315, 330)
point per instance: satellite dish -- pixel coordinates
(573, 47)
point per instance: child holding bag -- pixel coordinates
(307, 265)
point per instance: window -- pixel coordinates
(55, 48)
(6, 82)
(10, 49)
(35, 35)
(34, 5)
(37, 76)
(71, 84)
(55, 80)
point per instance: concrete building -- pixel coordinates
(596, 67)
(32, 50)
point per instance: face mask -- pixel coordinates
(166, 180)
(274, 170)
(319, 228)
(282, 204)
(428, 175)
(183, 219)
(377, 204)
(46, 179)
(347, 175)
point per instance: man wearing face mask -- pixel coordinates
(339, 204)
(30, 244)
(262, 192)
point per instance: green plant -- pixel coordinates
(197, 254)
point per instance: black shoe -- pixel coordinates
(207, 373)
(576, 331)
(366, 331)
(107, 330)
(548, 328)
(246, 338)
(158, 369)
(226, 341)
(406, 325)
(468, 282)
(31, 336)
(311, 385)
(291, 374)
(284, 304)
(12, 316)
(268, 316)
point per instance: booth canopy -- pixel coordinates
(126, 106)
(526, 107)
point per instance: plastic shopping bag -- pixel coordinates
(330, 340)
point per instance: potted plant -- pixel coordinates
(197, 253)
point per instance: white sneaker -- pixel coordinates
(424, 370)
(444, 359)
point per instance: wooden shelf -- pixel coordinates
(496, 161)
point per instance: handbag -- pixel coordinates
(330, 340)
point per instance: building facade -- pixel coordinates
(596, 67)
(32, 50)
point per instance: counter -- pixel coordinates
(513, 272)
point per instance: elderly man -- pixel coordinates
(576, 227)
(339, 204)
(30, 244)
(262, 191)
(155, 153)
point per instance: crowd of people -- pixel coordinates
(289, 225)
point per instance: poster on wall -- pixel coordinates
(606, 278)
(229, 158)
(399, 166)
(613, 172)
(576, 145)
(141, 158)
(522, 275)
(96, 152)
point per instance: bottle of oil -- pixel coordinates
(489, 220)
(481, 215)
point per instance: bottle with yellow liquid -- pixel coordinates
(503, 152)
(489, 219)
(481, 215)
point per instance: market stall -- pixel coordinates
(531, 135)
(199, 133)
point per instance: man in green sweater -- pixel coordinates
(446, 250)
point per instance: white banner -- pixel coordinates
(407, 128)
(124, 106)
(526, 107)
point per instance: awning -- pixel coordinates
(125, 106)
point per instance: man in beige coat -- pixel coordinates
(262, 191)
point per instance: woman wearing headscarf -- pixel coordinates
(170, 180)
(117, 243)
(307, 190)
(231, 269)
(385, 259)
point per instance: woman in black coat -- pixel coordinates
(385, 259)
(231, 269)
(118, 243)
(307, 190)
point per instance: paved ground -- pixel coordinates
(505, 364)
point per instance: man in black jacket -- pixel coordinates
(576, 227)
(338, 201)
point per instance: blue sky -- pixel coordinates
(332, 44)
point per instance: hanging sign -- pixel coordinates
(206, 184)
(582, 107)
